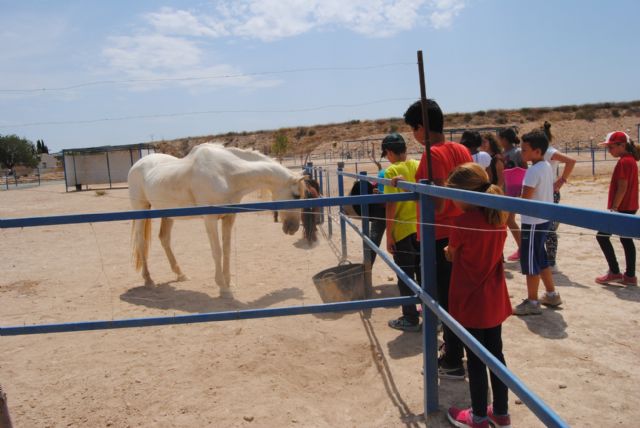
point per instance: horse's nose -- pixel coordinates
(290, 227)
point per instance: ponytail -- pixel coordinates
(493, 216)
(633, 149)
(546, 128)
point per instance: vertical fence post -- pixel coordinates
(6, 181)
(343, 224)
(329, 209)
(578, 148)
(428, 279)
(593, 163)
(357, 168)
(366, 250)
(38, 169)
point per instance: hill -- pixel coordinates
(571, 124)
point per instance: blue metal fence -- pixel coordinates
(615, 223)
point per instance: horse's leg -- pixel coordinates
(211, 223)
(165, 238)
(227, 227)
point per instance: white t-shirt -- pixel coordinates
(540, 177)
(554, 163)
(482, 158)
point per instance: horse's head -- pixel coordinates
(290, 218)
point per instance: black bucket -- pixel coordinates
(342, 283)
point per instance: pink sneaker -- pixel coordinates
(464, 418)
(609, 277)
(498, 421)
(629, 280)
(514, 257)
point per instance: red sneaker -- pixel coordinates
(609, 278)
(629, 280)
(514, 257)
(464, 418)
(498, 421)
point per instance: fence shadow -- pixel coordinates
(407, 418)
(167, 297)
(631, 294)
(550, 324)
(563, 280)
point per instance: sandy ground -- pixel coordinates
(312, 371)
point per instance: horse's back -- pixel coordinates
(141, 179)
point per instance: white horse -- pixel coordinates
(209, 175)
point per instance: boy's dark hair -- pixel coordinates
(471, 139)
(393, 143)
(511, 135)
(537, 139)
(413, 116)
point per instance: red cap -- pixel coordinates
(615, 137)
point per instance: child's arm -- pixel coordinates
(621, 188)
(527, 192)
(569, 164)
(390, 211)
(450, 253)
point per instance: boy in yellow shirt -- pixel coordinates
(401, 227)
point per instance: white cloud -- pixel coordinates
(445, 11)
(170, 43)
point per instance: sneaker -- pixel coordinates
(464, 418)
(498, 421)
(609, 277)
(404, 325)
(553, 301)
(446, 371)
(514, 257)
(527, 307)
(629, 280)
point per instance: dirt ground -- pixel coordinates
(308, 370)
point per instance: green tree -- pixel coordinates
(17, 151)
(280, 145)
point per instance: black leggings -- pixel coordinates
(490, 338)
(407, 256)
(629, 251)
(453, 350)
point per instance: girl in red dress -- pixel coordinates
(478, 296)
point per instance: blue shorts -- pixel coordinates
(533, 256)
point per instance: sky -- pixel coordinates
(83, 73)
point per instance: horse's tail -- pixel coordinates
(140, 241)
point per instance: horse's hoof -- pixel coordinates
(149, 282)
(226, 292)
(182, 277)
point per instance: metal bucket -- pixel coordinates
(341, 283)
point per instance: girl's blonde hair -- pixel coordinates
(471, 176)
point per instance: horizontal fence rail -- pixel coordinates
(610, 222)
(7, 223)
(207, 317)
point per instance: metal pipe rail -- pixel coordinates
(528, 397)
(7, 223)
(614, 223)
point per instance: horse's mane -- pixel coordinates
(244, 154)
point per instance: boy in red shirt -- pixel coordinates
(445, 156)
(623, 198)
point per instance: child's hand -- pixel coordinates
(449, 253)
(394, 180)
(391, 246)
